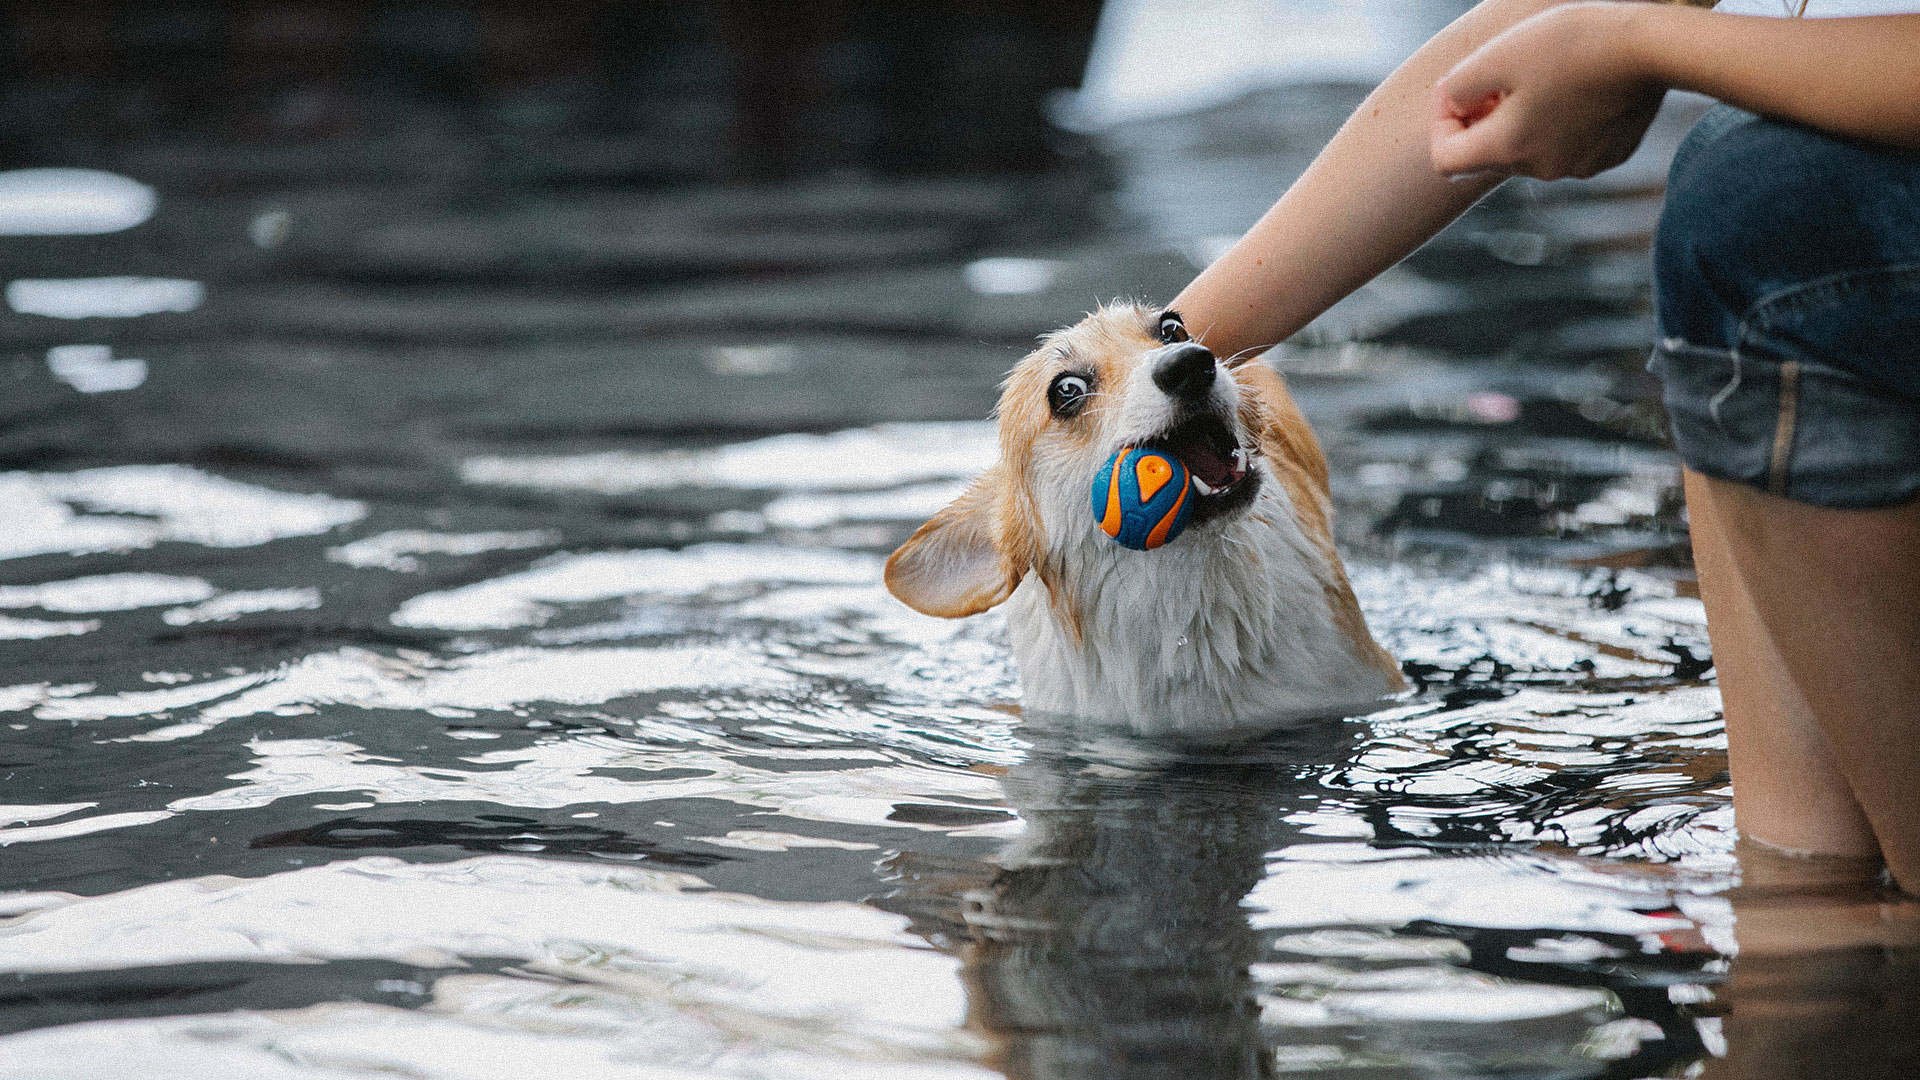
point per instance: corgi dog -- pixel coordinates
(1240, 625)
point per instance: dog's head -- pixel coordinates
(1125, 376)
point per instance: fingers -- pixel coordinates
(1469, 92)
(1477, 141)
(1467, 118)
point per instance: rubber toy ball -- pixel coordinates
(1140, 498)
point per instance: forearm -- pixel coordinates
(1365, 203)
(1857, 77)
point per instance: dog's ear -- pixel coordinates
(954, 565)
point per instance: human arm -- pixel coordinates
(1368, 200)
(1539, 98)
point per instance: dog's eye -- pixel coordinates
(1171, 328)
(1068, 394)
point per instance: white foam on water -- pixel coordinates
(517, 1030)
(1497, 892)
(1531, 618)
(230, 606)
(525, 598)
(103, 297)
(502, 680)
(395, 550)
(82, 826)
(103, 592)
(1427, 992)
(167, 503)
(106, 592)
(868, 602)
(71, 202)
(24, 696)
(565, 772)
(816, 510)
(1009, 276)
(552, 775)
(882, 456)
(1460, 998)
(751, 361)
(12, 629)
(20, 815)
(495, 681)
(41, 523)
(1564, 949)
(1373, 945)
(659, 980)
(524, 1030)
(764, 840)
(1476, 756)
(141, 702)
(492, 681)
(93, 369)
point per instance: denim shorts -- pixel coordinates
(1787, 293)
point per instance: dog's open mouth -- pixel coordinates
(1220, 467)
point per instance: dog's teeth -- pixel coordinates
(1202, 486)
(1240, 459)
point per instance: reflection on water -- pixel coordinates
(1112, 939)
(1823, 977)
(71, 202)
(1836, 1012)
(606, 967)
(110, 297)
(1164, 917)
(623, 805)
(1180, 918)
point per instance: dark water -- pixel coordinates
(458, 650)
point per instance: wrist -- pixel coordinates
(1639, 34)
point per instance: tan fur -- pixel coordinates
(946, 569)
(1289, 444)
(1099, 342)
(1023, 417)
(962, 534)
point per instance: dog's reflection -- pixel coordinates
(1112, 943)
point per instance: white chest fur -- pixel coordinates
(1228, 632)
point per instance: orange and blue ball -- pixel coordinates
(1141, 498)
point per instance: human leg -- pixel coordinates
(1787, 791)
(1837, 594)
(1787, 281)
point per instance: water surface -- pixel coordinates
(441, 635)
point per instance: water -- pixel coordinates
(728, 807)
(438, 663)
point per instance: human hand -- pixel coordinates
(1560, 94)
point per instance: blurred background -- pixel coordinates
(367, 240)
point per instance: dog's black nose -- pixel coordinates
(1185, 371)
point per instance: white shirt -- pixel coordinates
(1822, 9)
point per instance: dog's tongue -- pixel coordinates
(1203, 462)
(1209, 455)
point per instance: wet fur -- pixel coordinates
(1240, 626)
